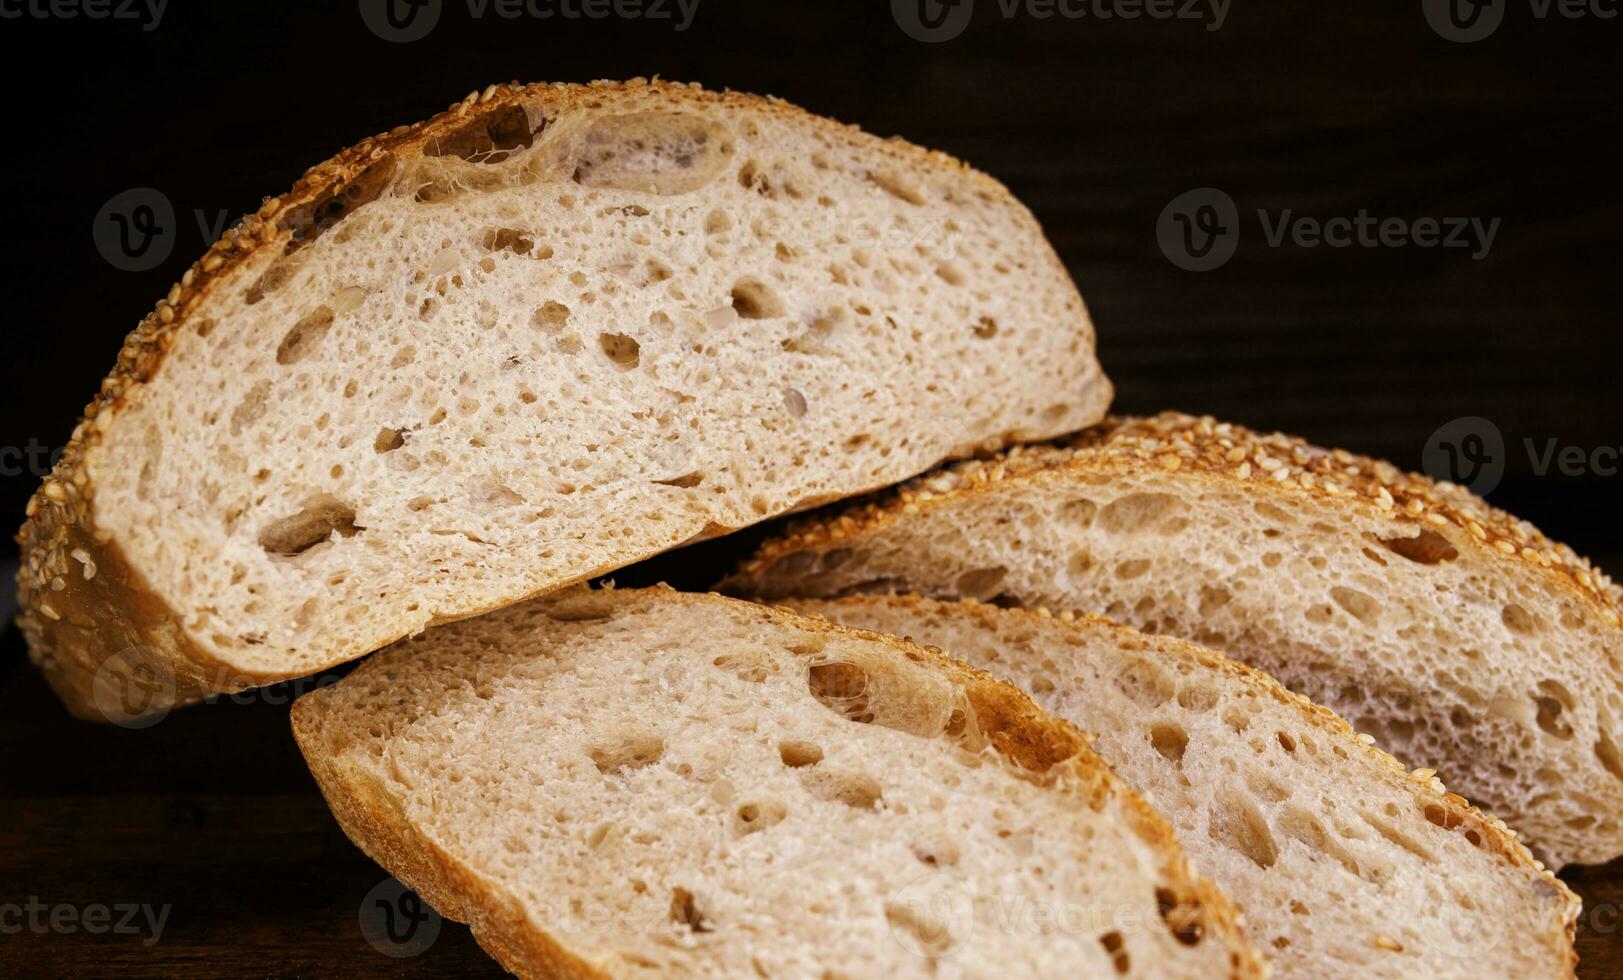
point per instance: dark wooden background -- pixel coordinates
(1097, 124)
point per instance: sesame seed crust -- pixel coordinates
(73, 628)
(1224, 453)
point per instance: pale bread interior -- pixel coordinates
(682, 785)
(1468, 665)
(1344, 864)
(580, 328)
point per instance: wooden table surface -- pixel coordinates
(1316, 109)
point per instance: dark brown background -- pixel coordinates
(1096, 124)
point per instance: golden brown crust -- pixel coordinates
(1016, 727)
(61, 514)
(1491, 834)
(1227, 454)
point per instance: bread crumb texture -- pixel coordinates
(553, 330)
(681, 785)
(1461, 638)
(1344, 863)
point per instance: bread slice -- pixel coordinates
(652, 783)
(1344, 865)
(552, 331)
(1463, 639)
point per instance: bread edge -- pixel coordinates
(1033, 740)
(1423, 784)
(141, 626)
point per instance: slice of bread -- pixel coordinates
(1344, 865)
(552, 331)
(652, 783)
(1463, 639)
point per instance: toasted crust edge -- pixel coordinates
(1226, 454)
(1026, 736)
(1423, 784)
(72, 631)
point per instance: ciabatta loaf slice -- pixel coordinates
(1459, 636)
(552, 331)
(662, 784)
(1344, 864)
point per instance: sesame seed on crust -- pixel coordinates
(1209, 449)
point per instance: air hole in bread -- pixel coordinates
(1236, 823)
(1197, 697)
(685, 912)
(755, 300)
(749, 667)
(652, 152)
(1139, 512)
(687, 481)
(624, 351)
(1132, 568)
(1549, 718)
(1286, 742)
(930, 936)
(388, 440)
(938, 852)
(842, 688)
(986, 328)
(1360, 605)
(896, 187)
(1426, 548)
(1607, 752)
(1213, 598)
(269, 281)
(752, 818)
(1115, 946)
(797, 754)
(1441, 816)
(507, 240)
(550, 316)
(981, 582)
(1182, 917)
(311, 220)
(251, 409)
(317, 522)
(1170, 740)
(1147, 683)
(626, 753)
(794, 402)
(856, 790)
(1303, 826)
(1079, 513)
(1519, 621)
(305, 336)
(1398, 837)
(490, 138)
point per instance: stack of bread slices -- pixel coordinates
(1064, 695)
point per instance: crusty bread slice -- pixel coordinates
(1344, 865)
(1463, 639)
(552, 331)
(653, 783)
